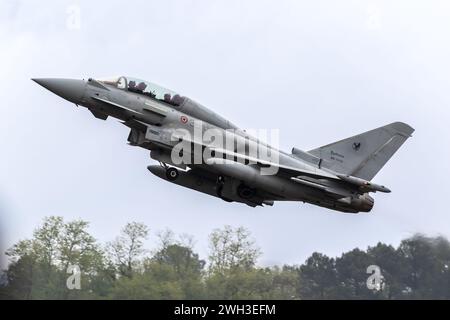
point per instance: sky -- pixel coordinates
(318, 71)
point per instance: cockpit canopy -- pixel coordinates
(170, 97)
(145, 88)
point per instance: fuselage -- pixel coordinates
(156, 115)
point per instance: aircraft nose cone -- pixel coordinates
(69, 89)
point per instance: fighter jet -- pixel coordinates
(198, 149)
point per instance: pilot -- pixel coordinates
(167, 97)
(132, 85)
(177, 100)
(141, 87)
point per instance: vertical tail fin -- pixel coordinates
(365, 154)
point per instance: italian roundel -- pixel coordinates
(183, 119)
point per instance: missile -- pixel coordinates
(363, 184)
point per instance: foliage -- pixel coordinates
(419, 268)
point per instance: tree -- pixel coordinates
(147, 286)
(391, 265)
(317, 277)
(178, 255)
(232, 260)
(46, 239)
(232, 249)
(426, 264)
(126, 250)
(419, 268)
(77, 246)
(179, 259)
(174, 271)
(351, 271)
(285, 283)
(22, 270)
(38, 266)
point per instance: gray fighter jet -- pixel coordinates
(193, 148)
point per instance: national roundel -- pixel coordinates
(183, 119)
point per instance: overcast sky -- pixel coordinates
(317, 70)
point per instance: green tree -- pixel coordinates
(285, 283)
(391, 265)
(23, 270)
(148, 285)
(232, 259)
(351, 271)
(232, 248)
(38, 266)
(426, 264)
(419, 268)
(127, 249)
(317, 277)
(179, 258)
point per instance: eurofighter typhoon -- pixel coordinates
(198, 149)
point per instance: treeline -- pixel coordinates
(64, 261)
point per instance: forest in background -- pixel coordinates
(63, 260)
